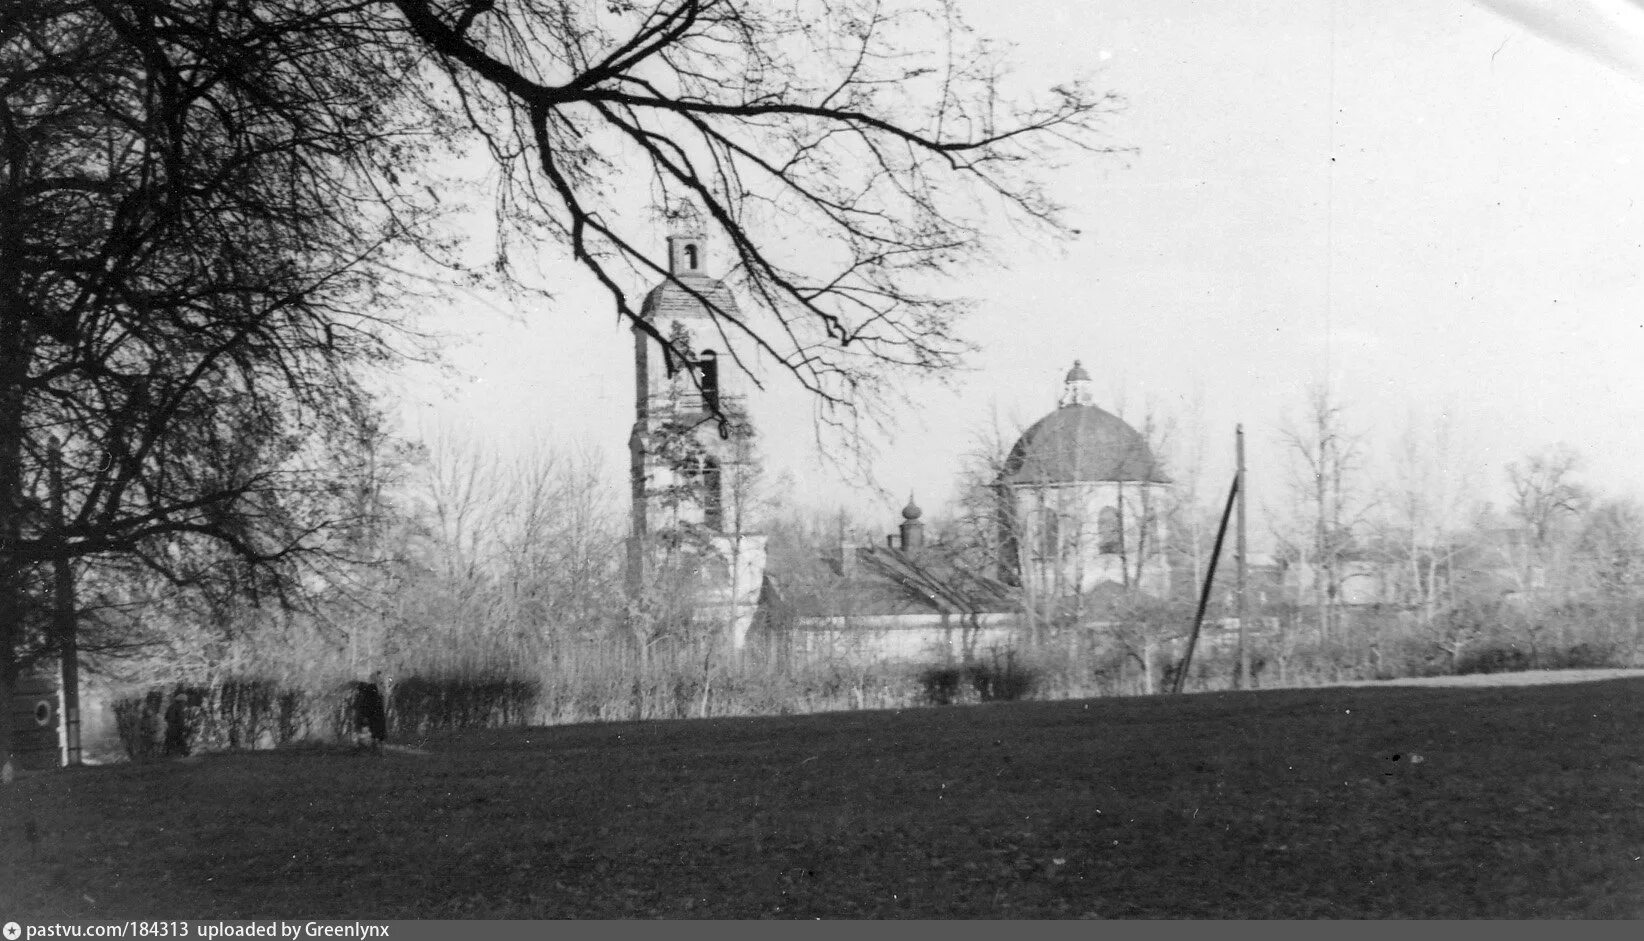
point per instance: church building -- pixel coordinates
(688, 451)
(1081, 499)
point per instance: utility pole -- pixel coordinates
(64, 619)
(1209, 583)
(1244, 608)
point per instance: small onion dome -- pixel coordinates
(912, 511)
(1077, 373)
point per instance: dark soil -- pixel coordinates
(1406, 802)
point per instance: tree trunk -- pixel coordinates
(1632, 615)
(13, 370)
(1148, 684)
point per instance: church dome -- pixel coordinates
(1080, 444)
(676, 299)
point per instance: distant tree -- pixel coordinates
(980, 534)
(1189, 521)
(1612, 549)
(1328, 509)
(1547, 504)
(1612, 546)
(1421, 529)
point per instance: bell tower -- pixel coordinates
(690, 447)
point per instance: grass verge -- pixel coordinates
(1404, 802)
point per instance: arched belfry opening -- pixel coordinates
(708, 366)
(687, 256)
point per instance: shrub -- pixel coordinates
(137, 719)
(1584, 656)
(1493, 659)
(939, 685)
(1002, 681)
(421, 704)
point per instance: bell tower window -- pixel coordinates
(709, 364)
(687, 254)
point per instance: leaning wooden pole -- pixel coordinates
(1239, 548)
(1204, 595)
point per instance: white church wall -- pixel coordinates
(903, 638)
(1078, 563)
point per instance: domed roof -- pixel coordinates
(1077, 373)
(674, 298)
(1079, 444)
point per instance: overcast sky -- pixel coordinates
(1435, 205)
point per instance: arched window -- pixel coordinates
(1050, 535)
(709, 364)
(713, 496)
(690, 257)
(1109, 540)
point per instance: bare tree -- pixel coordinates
(839, 119)
(1327, 458)
(1423, 513)
(186, 277)
(1612, 546)
(1189, 522)
(205, 201)
(981, 535)
(460, 496)
(1547, 502)
(1612, 540)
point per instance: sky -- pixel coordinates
(1435, 207)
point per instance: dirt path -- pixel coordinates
(1523, 678)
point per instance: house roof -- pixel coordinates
(886, 581)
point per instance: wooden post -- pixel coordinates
(1204, 595)
(64, 619)
(1244, 607)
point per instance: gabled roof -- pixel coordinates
(885, 582)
